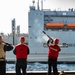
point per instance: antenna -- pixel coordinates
(41, 4)
(33, 2)
(38, 5)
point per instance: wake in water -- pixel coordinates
(42, 67)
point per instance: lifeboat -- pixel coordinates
(55, 25)
(71, 25)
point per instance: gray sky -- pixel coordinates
(59, 4)
(18, 9)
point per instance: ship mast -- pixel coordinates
(33, 2)
(41, 4)
(38, 5)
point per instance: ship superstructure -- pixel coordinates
(57, 24)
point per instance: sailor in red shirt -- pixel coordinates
(21, 51)
(53, 53)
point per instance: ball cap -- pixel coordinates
(22, 38)
(56, 40)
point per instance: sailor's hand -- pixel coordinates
(3, 42)
(49, 39)
(48, 42)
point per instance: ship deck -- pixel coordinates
(39, 72)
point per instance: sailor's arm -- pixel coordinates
(49, 41)
(7, 46)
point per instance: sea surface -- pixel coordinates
(35, 66)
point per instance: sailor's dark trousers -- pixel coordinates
(21, 66)
(52, 63)
(2, 67)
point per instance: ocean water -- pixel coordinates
(35, 66)
(42, 67)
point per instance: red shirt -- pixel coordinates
(53, 51)
(21, 51)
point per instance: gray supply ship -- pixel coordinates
(57, 24)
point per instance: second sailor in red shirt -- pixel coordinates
(53, 52)
(21, 51)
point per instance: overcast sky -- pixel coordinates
(18, 9)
